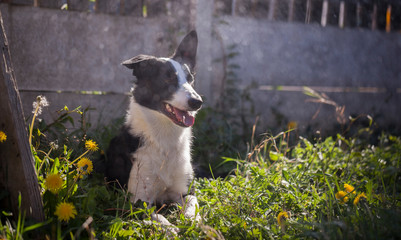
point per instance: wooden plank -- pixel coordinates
(291, 9)
(132, 8)
(78, 5)
(18, 174)
(358, 14)
(342, 15)
(308, 11)
(374, 17)
(157, 8)
(22, 2)
(388, 18)
(50, 3)
(108, 6)
(272, 10)
(233, 8)
(325, 10)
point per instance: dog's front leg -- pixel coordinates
(190, 207)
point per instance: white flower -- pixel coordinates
(40, 102)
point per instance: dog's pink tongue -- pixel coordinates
(184, 117)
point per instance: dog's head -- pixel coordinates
(166, 84)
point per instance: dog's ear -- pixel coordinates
(186, 51)
(132, 62)
(139, 62)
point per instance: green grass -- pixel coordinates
(301, 180)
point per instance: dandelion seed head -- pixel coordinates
(40, 102)
(35, 106)
(54, 145)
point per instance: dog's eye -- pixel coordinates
(189, 76)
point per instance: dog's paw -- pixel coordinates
(170, 228)
(190, 207)
(160, 219)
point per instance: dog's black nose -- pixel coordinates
(194, 103)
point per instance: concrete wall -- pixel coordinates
(68, 51)
(358, 69)
(77, 51)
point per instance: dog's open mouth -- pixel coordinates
(179, 117)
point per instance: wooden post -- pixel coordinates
(17, 171)
(234, 8)
(341, 17)
(308, 11)
(325, 10)
(272, 10)
(374, 17)
(358, 14)
(291, 10)
(388, 19)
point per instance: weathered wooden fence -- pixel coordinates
(337, 47)
(373, 14)
(370, 14)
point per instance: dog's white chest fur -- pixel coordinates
(162, 164)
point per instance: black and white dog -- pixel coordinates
(152, 153)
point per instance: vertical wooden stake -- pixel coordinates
(308, 11)
(342, 15)
(358, 14)
(272, 10)
(122, 8)
(325, 10)
(374, 17)
(233, 8)
(291, 10)
(388, 19)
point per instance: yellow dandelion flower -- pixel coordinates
(348, 188)
(341, 195)
(281, 218)
(357, 198)
(3, 136)
(91, 145)
(84, 166)
(65, 211)
(54, 183)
